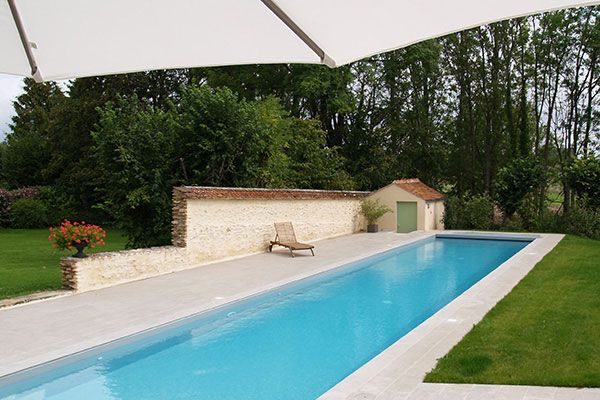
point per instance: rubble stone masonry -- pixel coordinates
(212, 224)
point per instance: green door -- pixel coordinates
(406, 214)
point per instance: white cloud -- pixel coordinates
(10, 88)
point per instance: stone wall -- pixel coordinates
(111, 268)
(228, 222)
(211, 224)
(179, 221)
(225, 228)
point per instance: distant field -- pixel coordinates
(554, 197)
(29, 264)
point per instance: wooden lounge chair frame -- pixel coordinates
(285, 237)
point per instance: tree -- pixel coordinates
(454, 111)
(71, 167)
(2, 167)
(305, 91)
(212, 138)
(515, 181)
(134, 154)
(26, 156)
(224, 140)
(311, 163)
(584, 176)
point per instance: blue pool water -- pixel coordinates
(294, 343)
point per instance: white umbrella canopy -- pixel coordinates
(63, 39)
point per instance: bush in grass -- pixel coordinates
(28, 213)
(57, 204)
(527, 213)
(452, 212)
(475, 212)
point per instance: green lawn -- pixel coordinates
(545, 332)
(29, 264)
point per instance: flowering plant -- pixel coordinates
(76, 235)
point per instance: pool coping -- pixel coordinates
(398, 371)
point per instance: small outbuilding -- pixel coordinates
(414, 205)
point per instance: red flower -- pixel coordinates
(65, 236)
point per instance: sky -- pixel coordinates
(10, 87)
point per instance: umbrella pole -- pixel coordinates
(325, 59)
(27, 45)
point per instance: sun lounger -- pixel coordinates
(286, 237)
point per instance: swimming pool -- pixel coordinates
(291, 343)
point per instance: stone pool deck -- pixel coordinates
(35, 333)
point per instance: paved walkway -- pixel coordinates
(28, 298)
(34, 333)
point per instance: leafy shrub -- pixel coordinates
(527, 213)
(372, 210)
(578, 221)
(28, 213)
(513, 224)
(25, 193)
(584, 176)
(8, 197)
(581, 221)
(475, 212)
(4, 208)
(547, 221)
(514, 182)
(58, 204)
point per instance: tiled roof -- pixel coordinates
(207, 192)
(418, 188)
